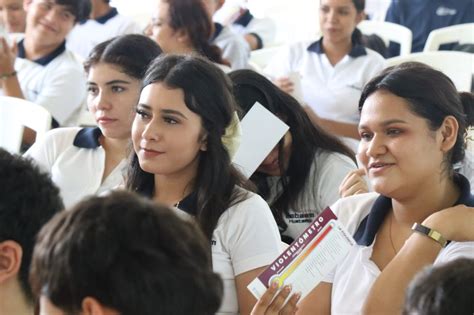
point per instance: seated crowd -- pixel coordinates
(146, 213)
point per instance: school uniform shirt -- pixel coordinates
(56, 81)
(423, 16)
(234, 48)
(246, 237)
(332, 92)
(320, 191)
(363, 215)
(466, 168)
(85, 36)
(76, 160)
(263, 29)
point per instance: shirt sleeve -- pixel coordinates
(254, 241)
(456, 250)
(45, 151)
(330, 177)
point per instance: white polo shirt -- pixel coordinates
(234, 48)
(85, 36)
(332, 92)
(320, 191)
(246, 238)
(76, 161)
(56, 81)
(264, 29)
(363, 215)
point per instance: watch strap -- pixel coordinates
(433, 234)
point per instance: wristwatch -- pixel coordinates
(433, 234)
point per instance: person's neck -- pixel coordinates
(421, 204)
(35, 50)
(13, 300)
(171, 189)
(335, 51)
(115, 147)
(99, 8)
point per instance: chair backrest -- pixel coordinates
(389, 32)
(15, 114)
(458, 66)
(461, 33)
(261, 57)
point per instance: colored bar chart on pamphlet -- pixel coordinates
(309, 258)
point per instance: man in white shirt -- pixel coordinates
(104, 23)
(39, 68)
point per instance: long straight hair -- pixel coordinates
(251, 87)
(216, 179)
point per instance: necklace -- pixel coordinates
(390, 234)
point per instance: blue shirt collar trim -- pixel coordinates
(188, 204)
(104, 18)
(88, 138)
(244, 19)
(356, 51)
(369, 226)
(217, 30)
(45, 59)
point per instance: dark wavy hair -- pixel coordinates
(191, 16)
(131, 254)
(431, 95)
(251, 87)
(208, 93)
(132, 53)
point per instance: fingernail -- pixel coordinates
(274, 285)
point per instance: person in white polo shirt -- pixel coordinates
(413, 123)
(184, 136)
(39, 68)
(104, 23)
(87, 161)
(332, 70)
(234, 47)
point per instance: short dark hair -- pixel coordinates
(81, 9)
(443, 289)
(131, 254)
(132, 53)
(250, 87)
(28, 199)
(431, 95)
(216, 177)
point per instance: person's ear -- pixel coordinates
(11, 254)
(449, 132)
(360, 17)
(182, 36)
(91, 306)
(203, 143)
(26, 4)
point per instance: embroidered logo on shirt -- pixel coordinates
(213, 242)
(443, 11)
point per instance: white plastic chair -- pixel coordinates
(15, 113)
(461, 33)
(259, 58)
(457, 65)
(389, 32)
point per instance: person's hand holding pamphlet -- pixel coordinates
(315, 253)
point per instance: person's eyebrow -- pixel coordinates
(386, 123)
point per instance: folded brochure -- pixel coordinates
(312, 255)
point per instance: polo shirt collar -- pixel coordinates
(244, 19)
(188, 204)
(45, 59)
(357, 50)
(104, 18)
(369, 226)
(217, 30)
(88, 138)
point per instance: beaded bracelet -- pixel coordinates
(4, 76)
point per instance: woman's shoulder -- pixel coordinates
(60, 136)
(351, 210)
